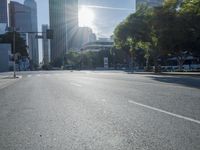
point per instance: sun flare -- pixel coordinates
(86, 17)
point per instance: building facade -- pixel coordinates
(64, 22)
(72, 22)
(4, 11)
(20, 17)
(82, 36)
(5, 57)
(3, 27)
(33, 42)
(45, 46)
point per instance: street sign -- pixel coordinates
(39, 37)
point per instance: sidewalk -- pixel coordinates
(191, 74)
(6, 80)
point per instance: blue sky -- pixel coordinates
(108, 13)
(105, 18)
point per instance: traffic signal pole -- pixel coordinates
(49, 35)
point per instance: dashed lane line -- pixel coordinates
(29, 76)
(76, 84)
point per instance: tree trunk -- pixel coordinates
(156, 66)
(132, 63)
(180, 61)
(147, 64)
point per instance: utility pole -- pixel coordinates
(13, 30)
(14, 59)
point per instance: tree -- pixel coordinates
(58, 62)
(20, 46)
(190, 11)
(72, 58)
(170, 30)
(191, 7)
(135, 32)
(178, 30)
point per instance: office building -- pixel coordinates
(33, 42)
(20, 17)
(5, 57)
(64, 22)
(82, 36)
(45, 46)
(3, 27)
(72, 22)
(4, 11)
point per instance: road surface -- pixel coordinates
(62, 110)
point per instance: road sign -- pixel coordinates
(39, 37)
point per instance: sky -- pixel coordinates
(107, 14)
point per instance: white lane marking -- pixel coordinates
(88, 72)
(38, 75)
(75, 84)
(20, 77)
(103, 100)
(165, 112)
(29, 76)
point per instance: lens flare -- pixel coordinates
(86, 17)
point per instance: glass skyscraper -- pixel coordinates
(4, 11)
(45, 46)
(33, 42)
(20, 17)
(64, 22)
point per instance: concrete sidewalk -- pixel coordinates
(192, 74)
(6, 80)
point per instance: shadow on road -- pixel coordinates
(184, 81)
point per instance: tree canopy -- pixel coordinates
(20, 44)
(169, 30)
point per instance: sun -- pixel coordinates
(86, 17)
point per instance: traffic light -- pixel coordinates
(49, 34)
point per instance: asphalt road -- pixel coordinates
(100, 111)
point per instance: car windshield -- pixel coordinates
(100, 74)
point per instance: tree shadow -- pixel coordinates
(183, 81)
